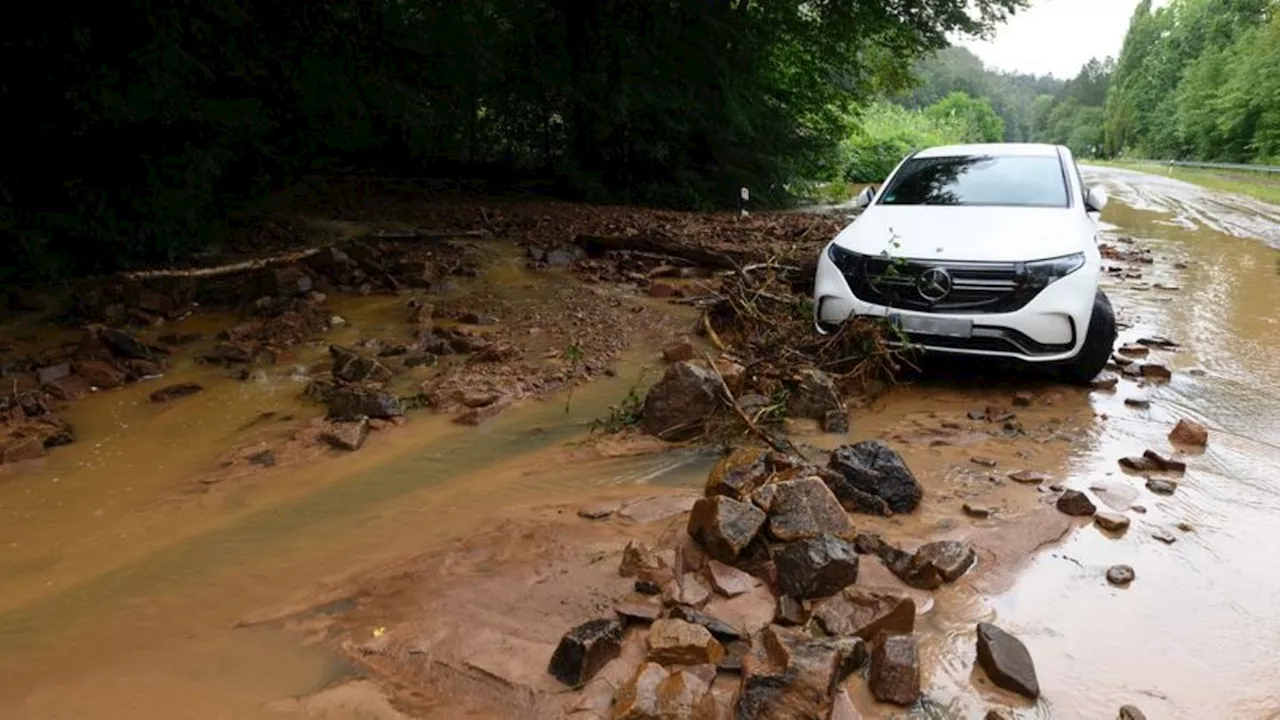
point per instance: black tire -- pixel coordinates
(1098, 342)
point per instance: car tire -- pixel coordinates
(1098, 343)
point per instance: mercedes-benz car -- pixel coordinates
(987, 250)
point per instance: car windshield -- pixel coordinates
(1020, 180)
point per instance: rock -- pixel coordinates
(71, 387)
(739, 474)
(123, 344)
(265, 458)
(1134, 350)
(647, 586)
(600, 510)
(895, 669)
(1006, 661)
(836, 422)
(876, 469)
(984, 461)
(346, 434)
(1111, 521)
(730, 581)
(803, 509)
(790, 676)
(53, 373)
(865, 612)
(585, 649)
(1160, 486)
(1156, 372)
(678, 406)
(1163, 463)
(349, 403)
(1189, 432)
(932, 565)
(644, 611)
(1120, 575)
(656, 695)
(1185, 527)
(688, 589)
(1028, 477)
(352, 367)
(636, 557)
(677, 642)
(842, 708)
(976, 511)
(851, 498)
(1023, 398)
(175, 392)
(789, 611)
(1131, 712)
(678, 351)
(23, 448)
(1164, 536)
(813, 395)
(1076, 504)
(997, 715)
(1105, 381)
(724, 526)
(228, 353)
(718, 628)
(290, 281)
(816, 567)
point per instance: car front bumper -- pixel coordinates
(1050, 328)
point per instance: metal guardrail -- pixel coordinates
(1209, 165)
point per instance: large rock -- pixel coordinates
(1076, 503)
(932, 565)
(352, 367)
(678, 406)
(730, 581)
(123, 344)
(100, 374)
(816, 567)
(790, 676)
(876, 469)
(724, 526)
(656, 694)
(1006, 661)
(1190, 433)
(678, 642)
(739, 473)
(349, 403)
(803, 509)
(866, 612)
(585, 649)
(346, 434)
(895, 669)
(850, 497)
(813, 395)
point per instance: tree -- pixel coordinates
(977, 120)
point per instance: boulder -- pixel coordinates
(803, 509)
(1111, 521)
(876, 469)
(730, 581)
(895, 669)
(1190, 433)
(865, 612)
(851, 498)
(677, 642)
(122, 344)
(813, 395)
(816, 567)
(100, 374)
(585, 649)
(351, 367)
(739, 473)
(656, 694)
(678, 406)
(932, 565)
(1006, 661)
(678, 351)
(349, 403)
(724, 526)
(1076, 504)
(170, 393)
(346, 434)
(791, 676)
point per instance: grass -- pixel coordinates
(1260, 187)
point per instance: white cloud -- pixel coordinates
(1056, 37)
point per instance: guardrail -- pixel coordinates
(1207, 165)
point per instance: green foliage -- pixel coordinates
(977, 121)
(624, 415)
(887, 133)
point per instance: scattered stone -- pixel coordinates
(976, 511)
(1156, 372)
(585, 649)
(1028, 477)
(655, 694)
(1105, 381)
(688, 589)
(1137, 351)
(265, 458)
(984, 461)
(352, 367)
(1130, 712)
(677, 642)
(24, 448)
(1140, 509)
(851, 498)
(346, 434)
(644, 611)
(836, 422)
(816, 567)
(1006, 661)
(678, 406)
(787, 675)
(813, 395)
(349, 403)
(1164, 536)
(647, 586)
(1151, 461)
(1189, 432)
(175, 392)
(718, 628)
(932, 565)
(876, 469)
(802, 509)
(868, 543)
(53, 373)
(1023, 398)
(977, 414)
(100, 374)
(895, 669)
(600, 510)
(790, 611)
(1161, 486)
(636, 557)
(865, 612)
(678, 351)
(663, 290)
(1138, 401)
(739, 474)
(842, 708)
(1111, 521)
(730, 581)
(724, 526)
(1120, 575)
(1131, 371)
(997, 715)
(1185, 527)
(123, 344)
(1076, 504)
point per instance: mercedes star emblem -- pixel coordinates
(934, 284)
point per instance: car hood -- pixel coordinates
(992, 234)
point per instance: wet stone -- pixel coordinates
(865, 613)
(976, 511)
(1120, 575)
(688, 589)
(803, 509)
(584, 650)
(175, 392)
(739, 474)
(349, 403)
(123, 344)
(1006, 661)
(1023, 398)
(346, 434)
(932, 565)
(718, 628)
(645, 586)
(816, 567)
(656, 694)
(636, 557)
(836, 422)
(1138, 401)
(1105, 381)
(724, 526)
(1161, 486)
(352, 367)
(678, 351)
(1164, 536)
(1076, 504)
(676, 642)
(730, 581)
(813, 396)
(600, 510)
(997, 715)
(1111, 521)
(100, 374)
(874, 468)
(1190, 433)
(790, 611)
(1028, 477)
(644, 611)
(678, 406)
(1131, 712)
(984, 461)
(19, 449)
(895, 670)
(851, 498)
(1134, 350)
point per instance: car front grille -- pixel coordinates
(976, 287)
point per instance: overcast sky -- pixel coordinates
(1057, 36)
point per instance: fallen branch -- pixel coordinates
(597, 245)
(781, 445)
(219, 270)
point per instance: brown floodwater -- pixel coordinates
(123, 577)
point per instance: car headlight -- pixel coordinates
(845, 261)
(1041, 273)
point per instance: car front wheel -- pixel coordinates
(1098, 342)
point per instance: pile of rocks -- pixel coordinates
(776, 528)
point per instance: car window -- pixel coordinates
(1017, 180)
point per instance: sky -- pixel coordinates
(1056, 37)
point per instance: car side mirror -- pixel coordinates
(1095, 199)
(865, 198)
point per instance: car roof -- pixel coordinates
(1019, 149)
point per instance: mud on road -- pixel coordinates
(432, 573)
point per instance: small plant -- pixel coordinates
(622, 416)
(573, 355)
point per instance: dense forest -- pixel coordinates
(138, 129)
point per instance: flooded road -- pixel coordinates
(123, 579)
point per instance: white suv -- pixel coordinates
(978, 250)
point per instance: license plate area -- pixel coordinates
(940, 326)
